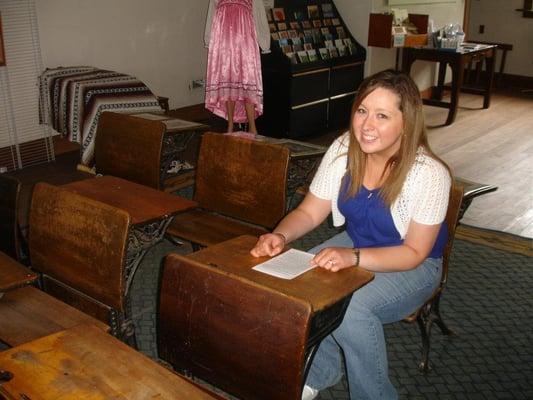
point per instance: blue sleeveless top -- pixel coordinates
(369, 221)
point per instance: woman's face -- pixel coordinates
(378, 123)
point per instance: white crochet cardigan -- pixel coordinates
(424, 195)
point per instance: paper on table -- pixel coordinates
(287, 265)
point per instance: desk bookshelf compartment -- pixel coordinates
(299, 98)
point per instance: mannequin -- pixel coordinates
(235, 29)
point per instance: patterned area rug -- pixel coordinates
(488, 303)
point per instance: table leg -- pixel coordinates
(457, 82)
(407, 61)
(140, 240)
(490, 63)
(440, 83)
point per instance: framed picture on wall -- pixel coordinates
(2, 51)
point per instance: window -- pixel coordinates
(23, 141)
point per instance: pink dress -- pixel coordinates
(233, 64)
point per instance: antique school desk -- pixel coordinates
(303, 160)
(84, 362)
(249, 333)
(176, 147)
(457, 60)
(150, 210)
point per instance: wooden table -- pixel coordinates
(13, 274)
(85, 363)
(151, 212)
(264, 358)
(457, 60)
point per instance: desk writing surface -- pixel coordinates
(172, 124)
(319, 287)
(13, 274)
(39, 313)
(85, 363)
(143, 203)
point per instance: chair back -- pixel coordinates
(80, 244)
(130, 148)
(9, 226)
(242, 178)
(247, 339)
(452, 220)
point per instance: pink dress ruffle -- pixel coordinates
(233, 65)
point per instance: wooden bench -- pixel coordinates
(79, 246)
(240, 188)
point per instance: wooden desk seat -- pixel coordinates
(231, 331)
(240, 189)
(85, 363)
(129, 147)
(79, 246)
(28, 313)
(13, 275)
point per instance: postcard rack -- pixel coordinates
(313, 71)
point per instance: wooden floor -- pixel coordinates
(492, 146)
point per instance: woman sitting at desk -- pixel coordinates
(382, 180)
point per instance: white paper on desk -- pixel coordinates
(287, 265)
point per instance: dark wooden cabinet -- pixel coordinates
(303, 99)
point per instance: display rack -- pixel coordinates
(313, 71)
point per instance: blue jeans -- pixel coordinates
(390, 297)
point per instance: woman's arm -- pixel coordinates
(311, 212)
(417, 245)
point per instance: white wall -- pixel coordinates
(161, 41)
(505, 25)
(158, 41)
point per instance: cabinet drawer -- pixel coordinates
(309, 120)
(346, 78)
(339, 111)
(309, 86)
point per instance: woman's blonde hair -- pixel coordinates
(413, 134)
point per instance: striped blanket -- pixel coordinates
(71, 100)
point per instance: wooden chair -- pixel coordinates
(429, 313)
(10, 236)
(218, 327)
(129, 147)
(79, 246)
(240, 188)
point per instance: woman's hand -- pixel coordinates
(269, 244)
(334, 258)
